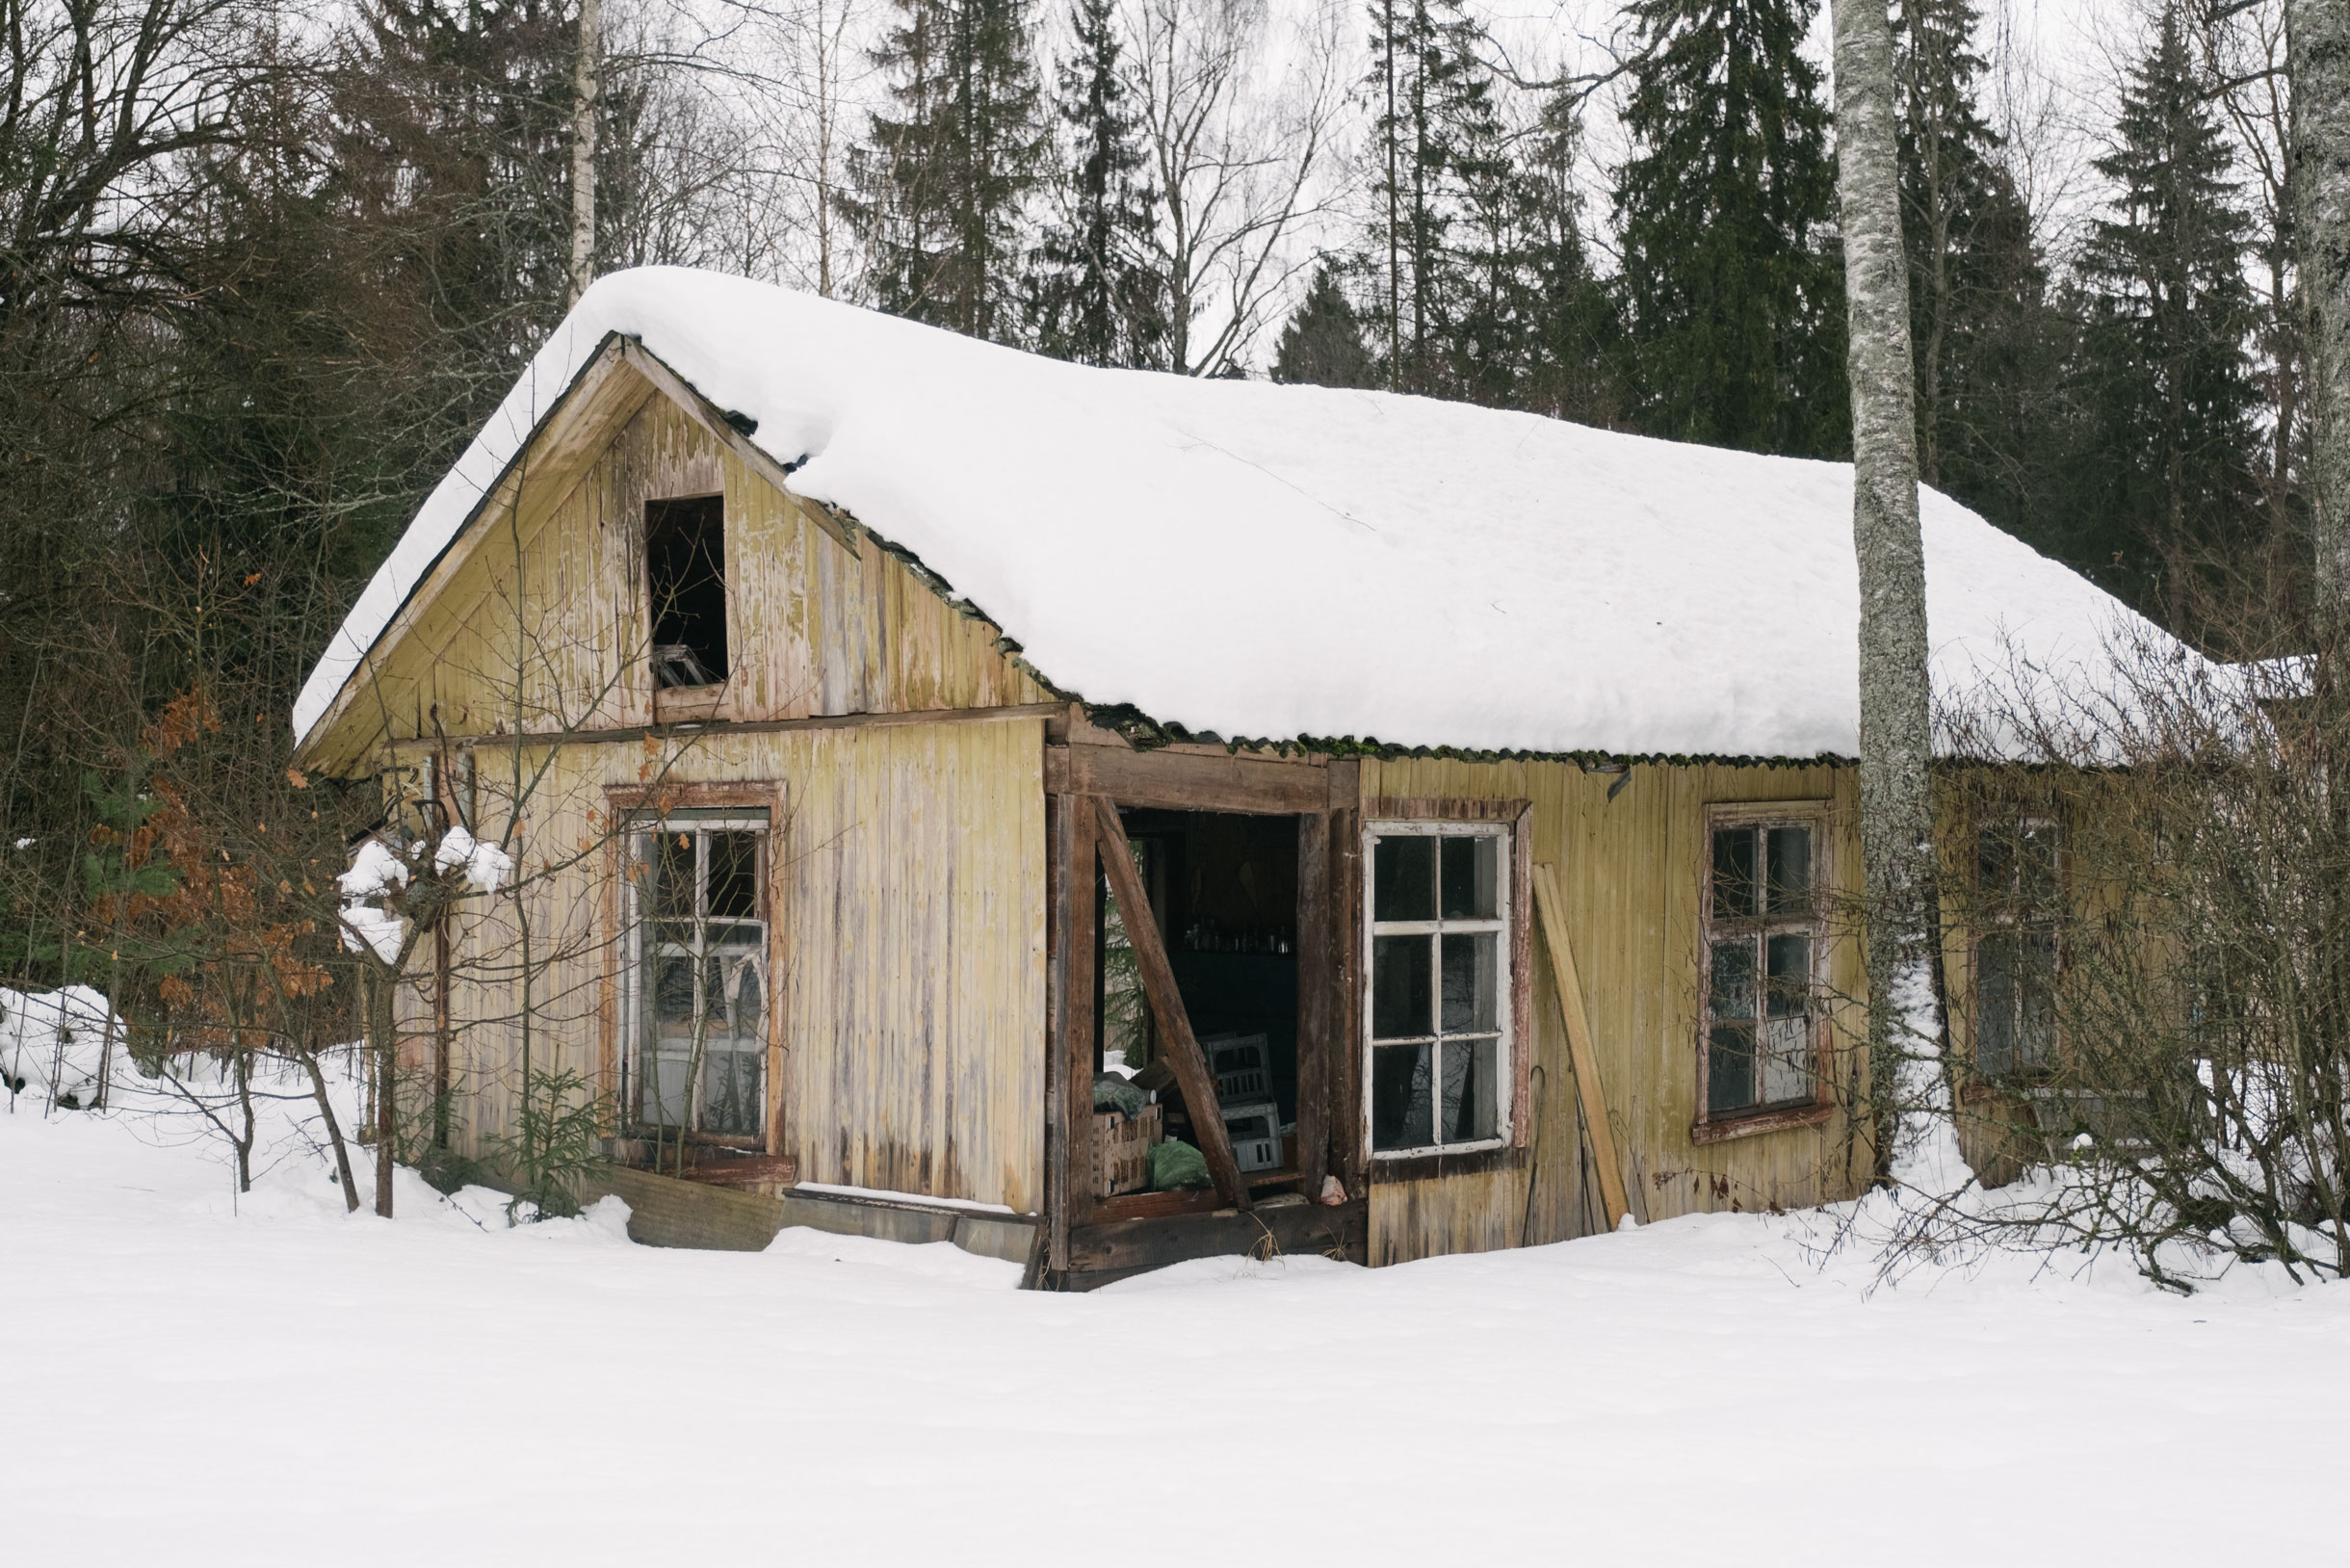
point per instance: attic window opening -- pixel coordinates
(685, 559)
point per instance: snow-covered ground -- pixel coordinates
(286, 1384)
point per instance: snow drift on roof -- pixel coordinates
(1276, 562)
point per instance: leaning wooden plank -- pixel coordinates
(1579, 1049)
(1182, 1050)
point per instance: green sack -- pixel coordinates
(1110, 1092)
(1176, 1164)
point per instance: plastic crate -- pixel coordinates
(1241, 1067)
(1122, 1151)
(1255, 1130)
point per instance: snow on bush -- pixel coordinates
(55, 1043)
(377, 871)
(487, 867)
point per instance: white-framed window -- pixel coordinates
(1439, 1035)
(697, 993)
(1765, 940)
(2017, 882)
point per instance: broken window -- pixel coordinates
(1439, 1024)
(698, 975)
(684, 561)
(1763, 928)
(2016, 883)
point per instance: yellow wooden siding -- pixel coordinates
(1630, 872)
(543, 628)
(908, 889)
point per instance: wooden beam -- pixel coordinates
(1078, 1048)
(1182, 1050)
(1173, 781)
(714, 727)
(1579, 1049)
(1317, 979)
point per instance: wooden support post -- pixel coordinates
(1579, 1049)
(1315, 983)
(1076, 937)
(1191, 1064)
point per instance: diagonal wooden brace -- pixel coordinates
(1183, 1054)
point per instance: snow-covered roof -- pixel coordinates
(1271, 562)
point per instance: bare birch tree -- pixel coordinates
(585, 81)
(1896, 714)
(2317, 55)
(1237, 159)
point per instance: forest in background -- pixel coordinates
(266, 267)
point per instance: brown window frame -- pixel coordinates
(1710, 1126)
(698, 816)
(2004, 914)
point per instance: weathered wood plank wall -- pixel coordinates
(544, 628)
(1631, 872)
(908, 883)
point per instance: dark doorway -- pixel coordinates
(1223, 887)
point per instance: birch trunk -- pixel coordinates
(2318, 59)
(585, 86)
(1895, 790)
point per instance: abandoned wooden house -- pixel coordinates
(904, 739)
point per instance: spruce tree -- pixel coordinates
(1447, 208)
(1322, 344)
(1090, 299)
(1991, 342)
(1732, 287)
(2165, 381)
(941, 184)
(1572, 333)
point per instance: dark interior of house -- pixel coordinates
(684, 561)
(1223, 888)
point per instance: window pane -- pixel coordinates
(1402, 994)
(1789, 961)
(733, 1092)
(1995, 1003)
(2036, 868)
(748, 1000)
(1472, 972)
(1471, 878)
(2035, 1042)
(1787, 1060)
(674, 996)
(1790, 868)
(665, 1090)
(734, 876)
(1734, 978)
(1730, 1067)
(1473, 1090)
(1733, 873)
(1400, 1104)
(1404, 878)
(1994, 866)
(673, 870)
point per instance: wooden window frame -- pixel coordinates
(1982, 921)
(1511, 822)
(621, 802)
(697, 820)
(1710, 1126)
